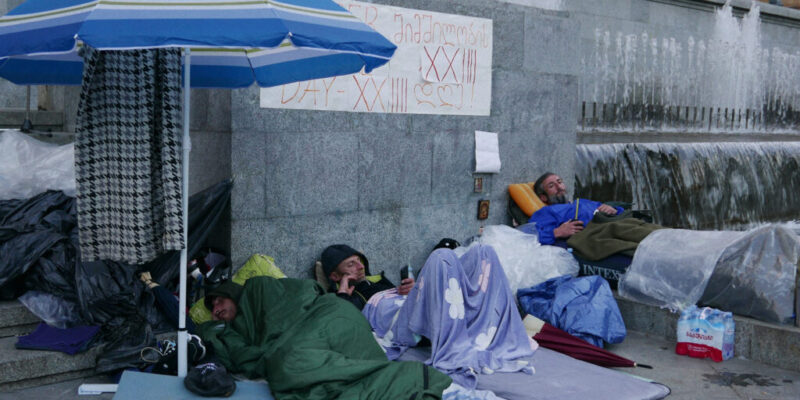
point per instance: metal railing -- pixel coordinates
(655, 117)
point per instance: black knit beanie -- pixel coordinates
(227, 289)
(335, 254)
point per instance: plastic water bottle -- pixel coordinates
(728, 338)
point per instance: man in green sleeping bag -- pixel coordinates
(308, 344)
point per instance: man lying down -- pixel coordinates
(307, 344)
(463, 306)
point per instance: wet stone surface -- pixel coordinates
(734, 379)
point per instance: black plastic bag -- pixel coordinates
(205, 210)
(106, 289)
(38, 241)
(30, 229)
(124, 339)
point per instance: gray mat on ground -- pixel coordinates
(139, 385)
(561, 377)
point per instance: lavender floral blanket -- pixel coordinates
(465, 308)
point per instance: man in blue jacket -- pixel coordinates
(559, 219)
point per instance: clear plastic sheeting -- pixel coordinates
(51, 309)
(756, 275)
(29, 166)
(749, 273)
(525, 261)
(671, 267)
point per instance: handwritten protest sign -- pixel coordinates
(443, 65)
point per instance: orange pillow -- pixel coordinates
(525, 198)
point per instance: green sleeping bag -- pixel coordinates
(310, 345)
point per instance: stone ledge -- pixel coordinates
(17, 330)
(15, 319)
(771, 344)
(42, 120)
(46, 380)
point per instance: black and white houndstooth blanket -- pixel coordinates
(128, 155)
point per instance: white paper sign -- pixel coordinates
(487, 152)
(442, 65)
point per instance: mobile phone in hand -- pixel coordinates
(405, 273)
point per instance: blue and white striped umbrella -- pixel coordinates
(234, 42)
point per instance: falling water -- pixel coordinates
(697, 185)
(726, 83)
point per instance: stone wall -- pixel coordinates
(11, 95)
(393, 185)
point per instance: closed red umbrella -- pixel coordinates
(555, 339)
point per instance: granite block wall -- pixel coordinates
(393, 185)
(11, 95)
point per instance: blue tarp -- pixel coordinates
(583, 307)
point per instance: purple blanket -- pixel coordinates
(465, 308)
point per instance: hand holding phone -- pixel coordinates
(406, 280)
(405, 273)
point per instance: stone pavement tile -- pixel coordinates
(753, 380)
(67, 390)
(692, 378)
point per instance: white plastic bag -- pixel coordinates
(29, 166)
(525, 261)
(51, 309)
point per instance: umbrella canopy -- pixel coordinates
(234, 43)
(555, 339)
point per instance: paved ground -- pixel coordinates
(692, 378)
(688, 378)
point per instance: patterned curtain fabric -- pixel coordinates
(128, 155)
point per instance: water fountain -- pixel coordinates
(726, 82)
(696, 185)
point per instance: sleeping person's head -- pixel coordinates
(221, 301)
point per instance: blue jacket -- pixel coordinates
(551, 217)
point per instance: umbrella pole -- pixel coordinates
(187, 148)
(27, 126)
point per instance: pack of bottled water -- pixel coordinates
(705, 333)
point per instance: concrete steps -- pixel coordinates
(15, 319)
(28, 368)
(20, 369)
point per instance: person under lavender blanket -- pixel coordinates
(465, 308)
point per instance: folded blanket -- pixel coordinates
(600, 240)
(69, 340)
